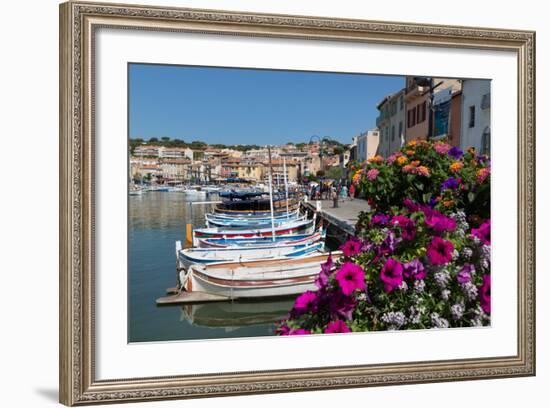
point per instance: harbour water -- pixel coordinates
(155, 221)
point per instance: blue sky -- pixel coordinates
(248, 106)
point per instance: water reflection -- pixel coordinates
(156, 221)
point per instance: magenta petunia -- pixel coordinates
(440, 251)
(465, 274)
(414, 269)
(438, 222)
(337, 326)
(298, 332)
(485, 294)
(350, 277)
(483, 232)
(341, 305)
(391, 274)
(411, 205)
(353, 246)
(379, 219)
(323, 277)
(407, 226)
(306, 303)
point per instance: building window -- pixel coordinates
(472, 120)
(400, 130)
(401, 104)
(418, 114)
(393, 133)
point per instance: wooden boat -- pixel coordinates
(262, 242)
(293, 227)
(255, 217)
(253, 279)
(191, 256)
(252, 223)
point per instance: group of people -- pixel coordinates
(331, 191)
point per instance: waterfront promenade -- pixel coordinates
(344, 217)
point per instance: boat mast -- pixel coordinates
(286, 185)
(271, 194)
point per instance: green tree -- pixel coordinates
(335, 173)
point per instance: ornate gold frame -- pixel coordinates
(78, 20)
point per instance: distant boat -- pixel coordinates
(190, 256)
(253, 279)
(194, 192)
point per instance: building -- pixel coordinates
(175, 169)
(476, 115)
(367, 145)
(391, 123)
(147, 151)
(432, 106)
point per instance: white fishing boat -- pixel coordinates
(254, 279)
(192, 256)
(252, 223)
(194, 192)
(292, 227)
(262, 242)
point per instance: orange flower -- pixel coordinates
(409, 152)
(401, 160)
(448, 203)
(423, 171)
(455, 166)
(376, 159)
(415, 163)
(412, 143)
(408, 168)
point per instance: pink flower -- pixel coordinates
(485, 294)
(391, 274)
(442, 148)
(408, 226)
(483, 232)
(440, 251)
(306, 302)
(482, 174)
(352, 247)
(438, 222)
(350, 276)
(326, 268)
(341, 305)
(337, 326)
(372, 174)
(298, 332)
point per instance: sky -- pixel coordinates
(251, 106)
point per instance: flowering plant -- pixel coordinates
(421, 255)
(413, 268)
(431, 173)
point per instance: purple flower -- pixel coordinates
(450, 184)
(485, 294)
(388, 245)
(392, 275)
(440, 251)
(408, 226)
(483, 232)
(337, 326)
(433, 202)
(456, 153)
(306, 302)
(283, 330)
(326, 268)
(350, 276)
(465, 274)
(341, 306)
(352, 247)
(379, 219)
(411, 205)
(439, 222)
(414, 269)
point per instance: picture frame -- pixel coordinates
(79, 22)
